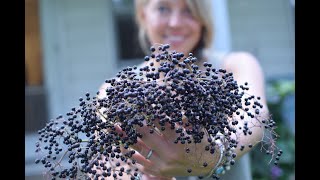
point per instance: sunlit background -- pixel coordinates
(72, 46)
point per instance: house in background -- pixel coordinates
(73, 46)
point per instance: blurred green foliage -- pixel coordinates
(280, 95)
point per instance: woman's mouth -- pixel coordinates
(175, 40)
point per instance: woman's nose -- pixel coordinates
(175, 20)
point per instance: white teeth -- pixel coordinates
(175, 38)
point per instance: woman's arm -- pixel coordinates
(246, 69)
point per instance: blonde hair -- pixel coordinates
(198, 8)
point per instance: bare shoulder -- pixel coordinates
(240, 60)
(246, 69)
(244, 66)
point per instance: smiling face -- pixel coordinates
(171, 22)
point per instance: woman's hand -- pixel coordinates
(158, 155)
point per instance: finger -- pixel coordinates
(167, 128)
(142, 153)
(137, 148)
(140, 146)
(149, 137)
(150, 159)
(147, 171)
(162, 123)
(173, 128)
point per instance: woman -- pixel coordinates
(184, 25)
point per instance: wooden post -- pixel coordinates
(33, 55)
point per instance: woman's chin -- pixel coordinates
(178, 47)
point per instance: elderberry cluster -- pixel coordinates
(194, 99)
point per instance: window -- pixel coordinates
(127, 32)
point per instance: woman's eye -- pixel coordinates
(187, 12)
(163, 9)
